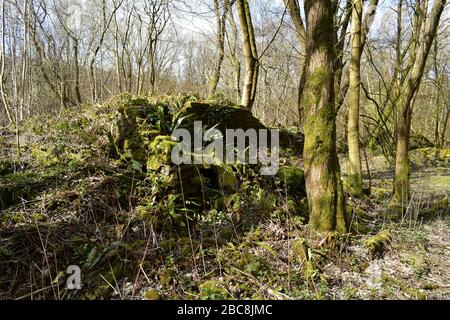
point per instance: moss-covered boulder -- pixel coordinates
(224, 116)
(217, 115)
(138, 122)
(159, 152)
(142, 137)
(377, 243)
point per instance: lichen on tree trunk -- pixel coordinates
(323, 182)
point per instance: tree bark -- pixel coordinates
(323, 182)
(77, 70)
(235, 60)
(220, 47)
(2, 68)
(294, 10)
(250, 54)
(355, 181)
(428, 27)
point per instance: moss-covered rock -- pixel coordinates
(152, 294)
(219, 115)
(160, 150)
(225, 116)
(377, 244)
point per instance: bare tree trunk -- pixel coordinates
(235, 60)
(444, 126)
(220, 47)
(294, 10)
(342, 82)
(2, 68)
(438, 98)
(250, 54)
(105, 27)
(355, 181)
(323, 182)
(77, 70)
(152, 66)
(428, 27)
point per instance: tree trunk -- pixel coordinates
(294, 10)
(250, 54)
(355, 181)
(444, 126)
(323, 181)
(402, 169)
(77, 70)
(2, 67)
(428, 27)
(235, 60)
(438, 92)
(152, 66)
(220, 47)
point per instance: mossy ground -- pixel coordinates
(133, 238)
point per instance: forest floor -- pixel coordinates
(417, 262)
(91, 214)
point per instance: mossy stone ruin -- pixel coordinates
(144, 128)
(143, 137)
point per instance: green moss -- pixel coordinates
(226, 177)
(38, 216)
(138, 123)
(355, 187)
(376, 244)
(166, 276)
(300, 251)
(380, 192)
(160, 150)
(227, 233)
(44, 158)
(152, 294)
(359, 227)
(319, 78)
(294, 180)
(401, 193)
(213, 290)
